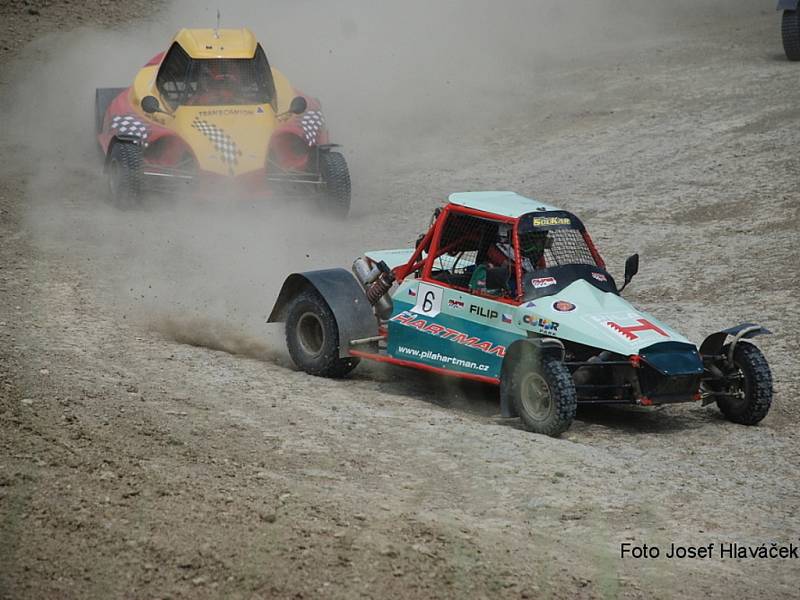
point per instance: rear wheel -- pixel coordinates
(748, 386)
(335, 199)
(790, 30)
(312, 337)
(125, 174)
(543, 393)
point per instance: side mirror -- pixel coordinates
(631, 269)
(298, 105)
(150, 105)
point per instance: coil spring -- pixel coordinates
(378, 289)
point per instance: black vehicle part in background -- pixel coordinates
(103, 97)
(343, 295)
(790, 28)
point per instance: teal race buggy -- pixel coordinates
(507, 290)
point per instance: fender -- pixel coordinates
(538, 345)
(788, 4)
(343, 295)
(712, 345)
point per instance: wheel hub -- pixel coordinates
(536, 397)
(310, 333)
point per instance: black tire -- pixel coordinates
(103, 97)
(125, 174)
(312, 337)
(754, 386)
(543, 393)
(335, 199)
(790, 31)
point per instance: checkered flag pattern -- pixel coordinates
(130, 125)
(228, 151)
(312, 123)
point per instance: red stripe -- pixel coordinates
(405, 363)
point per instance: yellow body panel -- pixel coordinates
(219, 43)
(249, 127)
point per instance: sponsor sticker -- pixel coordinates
(563, 306)
(541, 282)
(433, 356)
(455, 304)
(635, 331)
(543, 325)
(224, 112)
(545, 221)
(409, 319)
(600, 277)
(482, 311)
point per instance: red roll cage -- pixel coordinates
(430, 246)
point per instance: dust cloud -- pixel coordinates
(402, 84)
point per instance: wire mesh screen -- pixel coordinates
(171, 80)
(563, 246)
(463, 239)
(467, 242)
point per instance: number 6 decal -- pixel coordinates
(429, 300)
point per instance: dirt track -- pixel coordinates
(138, 462)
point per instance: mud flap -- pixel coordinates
(712, 345)
(343, 294)
(539, 345)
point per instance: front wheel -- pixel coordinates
(543, 393)
(790, 31)
(125, 174)
(335, 197)
(312, 337)
(748, 388)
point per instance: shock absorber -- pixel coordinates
(380, 287)
(377, 282)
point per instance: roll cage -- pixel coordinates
(465, 248)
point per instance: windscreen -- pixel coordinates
(556, 244)
(183, 80)
(554, 239)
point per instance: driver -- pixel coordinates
(498, 273)
(532, 247)
(215, 85)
